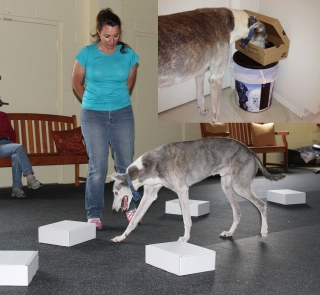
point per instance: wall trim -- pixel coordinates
(300, 113)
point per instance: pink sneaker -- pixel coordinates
(97, 222)
(130, 214)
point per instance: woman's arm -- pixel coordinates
(132, 76)
(78, 73)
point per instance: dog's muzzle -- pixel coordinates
(244, 42)
(124, 204)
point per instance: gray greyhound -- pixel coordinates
(179, 165)
(192, 42)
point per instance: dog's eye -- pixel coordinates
(116, 193)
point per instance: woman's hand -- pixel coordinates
(132, 76)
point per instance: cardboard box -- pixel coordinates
(197, 208)
(276, 35)
(67, 233)
(180, 258)
(286, 197)
(17, 268)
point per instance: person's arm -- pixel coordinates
(78, 73)
(132, 76)
(12, 133)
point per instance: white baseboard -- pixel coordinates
(300, 112)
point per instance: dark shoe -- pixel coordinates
(17, 192)
(34, 183)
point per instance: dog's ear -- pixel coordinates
(115, 176)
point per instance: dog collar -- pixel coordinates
(244, 42)
(136, 196)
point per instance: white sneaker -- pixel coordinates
(34, 183)
(18, 192)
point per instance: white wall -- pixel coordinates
(299, 75)
(300, 134)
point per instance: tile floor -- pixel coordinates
(230, 112)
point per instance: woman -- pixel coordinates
(108, 70)
(17, 153)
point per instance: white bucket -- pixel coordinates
(254, 83)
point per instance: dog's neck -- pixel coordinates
(140, 180)
(241, 29)
(136, 196)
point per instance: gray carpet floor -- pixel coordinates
(287, 261)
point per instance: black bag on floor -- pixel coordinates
(294, 158)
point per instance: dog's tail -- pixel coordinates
(265, 173)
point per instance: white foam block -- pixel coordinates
(66, 233)
(17, 268)
(197, 208)
(180, 258)
(286, 197)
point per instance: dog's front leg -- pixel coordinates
(218, 68)
(215, 94)
(185, 208)
(200, 95)
(149, 195)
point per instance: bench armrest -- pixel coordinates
(283, 135)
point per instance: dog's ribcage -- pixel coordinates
(185, 163)
(189, 42)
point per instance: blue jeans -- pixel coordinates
(99, 129)
(20, 162)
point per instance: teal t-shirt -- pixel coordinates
(106, 77)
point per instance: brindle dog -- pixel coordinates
(192, 42)
(179, 165)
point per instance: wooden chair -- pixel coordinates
(242, 132)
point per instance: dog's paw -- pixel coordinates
(183, 239)
(204, 112)
(117, 239)
(214, 117)
(226, 234)
(264, 231)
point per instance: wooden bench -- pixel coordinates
(33, 131)
(242, 132)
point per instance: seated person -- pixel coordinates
(17, 153)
